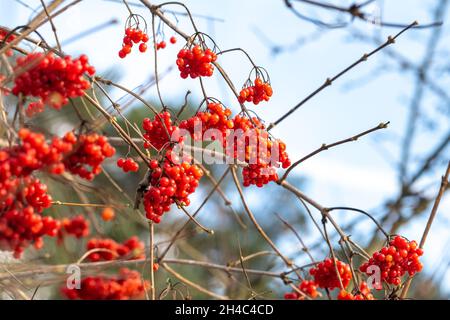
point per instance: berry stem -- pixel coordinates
(92, 205)
(152, 261)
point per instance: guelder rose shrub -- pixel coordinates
(50, 78)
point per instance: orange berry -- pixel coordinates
(108, 214)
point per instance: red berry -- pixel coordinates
(142, 47)
(120, 162)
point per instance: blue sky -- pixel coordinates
(356, 174)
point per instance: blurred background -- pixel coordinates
(394, 174)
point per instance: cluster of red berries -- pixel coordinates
(216, 117)
(325, 275)
(108, 249)
(77, 226)
(362, 294)
(169, 183)
(50, 78)
(196, 62)
(257, 92)
(173, 179)
(253, 145)
(308, 287)
(3, 34)
(159, 131)
(400, 257)
(23, 198)
(33, 153)
(90, 150)
(21, 222)
(133, 36)
(249, 142)
(128, 165)
(34, 108)
(127, 286)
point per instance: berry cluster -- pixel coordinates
(216, 117)
(249, 142)
(173, 179)
(308, 287)
(253, 145)
(21, 224)
(169, 183)
(34, 108)
(23, 198)
(89, 151)
(34, 153)
(128, 285)
(109, 249)
(128, 165)
(159, 131)
(362, 294)
(133, 36)
(77, 226)
(400, 257)
(257, 92)
(196, 62)
(50, 78)
(325, 275)
(3, 34)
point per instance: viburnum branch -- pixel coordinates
(354, 11)
(333, 255)
(193, 284)
(38, 21)
(179, 231)
(118, 128)
(286, 260)
(192, 218)
(297, 235)
(325, 147)
(364, 213)
(92, 205)
(138, 97)
(55, 33)
(329, 81)
(152, 260)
